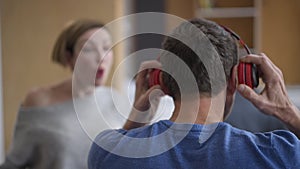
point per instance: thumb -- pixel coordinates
(143, 102)
(249, 94)
(154, 93)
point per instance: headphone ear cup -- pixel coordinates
(241, 73)
(154, 77)
(248, 75)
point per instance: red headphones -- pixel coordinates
(247, 72)
(154, 79)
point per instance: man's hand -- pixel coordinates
(273, 100)
(146, 99)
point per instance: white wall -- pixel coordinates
(1, 102)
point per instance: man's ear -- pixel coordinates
(232, 81)
(230, 93)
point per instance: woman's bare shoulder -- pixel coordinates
(38, 96)
(52, 94)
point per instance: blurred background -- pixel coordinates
(29, 29)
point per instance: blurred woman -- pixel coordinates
(52, 130)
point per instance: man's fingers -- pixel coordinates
(263, 63)
(256, 59)
(142, 102)
(273, 65)
(145, 67)
(154, 92)
(249, 94)
(151, 64)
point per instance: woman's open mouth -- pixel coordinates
(99, 73)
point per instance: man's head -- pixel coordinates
(207, 49)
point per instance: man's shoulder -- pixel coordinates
(283, 138)
(115, 134)
(114, 137)
(232, 132)
(278, 137)
(272, 137)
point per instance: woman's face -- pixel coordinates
(94, 56)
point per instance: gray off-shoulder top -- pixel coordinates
(59, 136)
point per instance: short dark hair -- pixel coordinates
(200, 44)
(69, 36)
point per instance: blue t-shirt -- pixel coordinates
(167, 145)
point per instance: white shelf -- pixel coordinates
(226, 12)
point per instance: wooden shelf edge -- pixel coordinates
(226, 12)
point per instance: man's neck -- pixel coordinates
(205, 110)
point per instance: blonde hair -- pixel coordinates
(68, 38)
